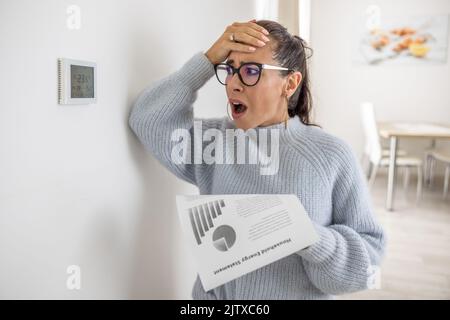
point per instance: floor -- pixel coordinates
(417, 261)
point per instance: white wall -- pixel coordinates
(76, 187)
(399, 93)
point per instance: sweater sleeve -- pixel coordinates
(352, 247)
(165, 110)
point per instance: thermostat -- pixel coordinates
(77, 81)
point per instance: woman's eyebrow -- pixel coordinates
(231, 61)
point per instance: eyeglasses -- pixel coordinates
(249, 73)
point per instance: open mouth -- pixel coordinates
(238, 109)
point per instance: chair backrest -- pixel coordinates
(372, 146)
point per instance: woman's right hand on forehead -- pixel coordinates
(247, 37)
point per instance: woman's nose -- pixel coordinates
(235, 83)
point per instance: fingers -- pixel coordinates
(238, 26)
(252, 24)
(234, 46)
(257, 27)
(256, 34)
(248, 39)
(248, 33)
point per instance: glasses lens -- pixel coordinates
(250, 74)
(223, 71)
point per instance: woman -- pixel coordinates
(272, 92)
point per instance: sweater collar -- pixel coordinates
(294, 126)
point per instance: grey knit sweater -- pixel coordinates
(314, 165)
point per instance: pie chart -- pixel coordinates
(224, 237)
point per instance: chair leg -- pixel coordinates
(446, 178)
(368, 168)
(373, 173)
(432, 166)
(427, 169)
(419, 182)
(365, 164)
(405, 179)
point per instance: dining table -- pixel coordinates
(393, 131)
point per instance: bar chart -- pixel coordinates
(202, 216)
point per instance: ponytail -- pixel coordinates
(290, 52)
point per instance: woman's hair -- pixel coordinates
(290, 52)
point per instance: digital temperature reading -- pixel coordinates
(77, 82)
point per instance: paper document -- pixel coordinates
(232, 235)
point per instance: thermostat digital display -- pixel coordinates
(77, 82)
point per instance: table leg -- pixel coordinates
(433, 144)
(429, 165)
(391, 175)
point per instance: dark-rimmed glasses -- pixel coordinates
(249, 73)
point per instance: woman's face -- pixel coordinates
(265, 103)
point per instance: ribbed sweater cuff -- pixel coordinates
(322, 249)
(196, 71)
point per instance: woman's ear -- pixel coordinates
(292, 83)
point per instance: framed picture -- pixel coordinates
(402, 40)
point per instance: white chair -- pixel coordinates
(367, 115)
(438, 155)
(377, 158)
